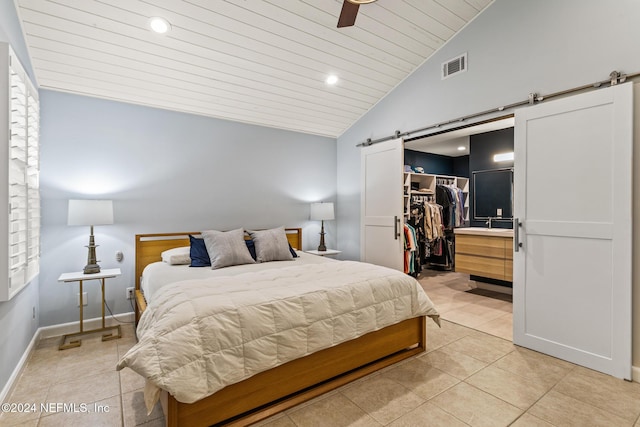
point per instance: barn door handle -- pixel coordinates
(516, 235)
(396, 227)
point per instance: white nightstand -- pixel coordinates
(80, 277)
(328, 252)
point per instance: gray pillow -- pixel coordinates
(271, 245)
(226, 248)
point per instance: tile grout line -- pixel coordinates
(121, 393)
(586, 403)
(545, 393)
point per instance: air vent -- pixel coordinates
(454, 66)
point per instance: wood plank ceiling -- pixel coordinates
(255, 61)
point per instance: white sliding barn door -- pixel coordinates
(572, 275)
(381, 204)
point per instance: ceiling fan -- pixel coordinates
(349, 12)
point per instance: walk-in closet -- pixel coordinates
(458, 203)
(555, 250)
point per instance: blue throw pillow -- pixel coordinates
(252, 248)
(198, 253)
(293, 252)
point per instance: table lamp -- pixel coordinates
(90, 212)
(321, 212)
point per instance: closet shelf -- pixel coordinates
(430, 181)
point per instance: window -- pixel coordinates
(20, 228)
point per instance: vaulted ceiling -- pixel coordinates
(255, 61)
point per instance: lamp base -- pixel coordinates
(91, 269)
(92, 266)
(322, 247)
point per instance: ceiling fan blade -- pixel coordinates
(348, 14)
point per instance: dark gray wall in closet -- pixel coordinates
(482, 148)
(437, 164)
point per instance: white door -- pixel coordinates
(572, 275)
(381, 204)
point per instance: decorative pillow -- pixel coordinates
(198, 253)
(252, 248)
(293, 252)
(226, 248)
(271, 245)
(177, 256)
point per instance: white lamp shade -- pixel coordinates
(90, 212)
(321, 211)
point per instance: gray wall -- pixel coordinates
(515, 47)
(165, 171)
(17, 326)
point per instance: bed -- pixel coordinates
(284, 385)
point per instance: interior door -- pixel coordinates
(381, 204)
(572, 275)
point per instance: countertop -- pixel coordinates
(479, 231)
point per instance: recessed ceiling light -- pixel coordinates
(462, 148)
(331, 79)
(159, 25)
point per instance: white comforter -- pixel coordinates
(159, 274)
(198, 336)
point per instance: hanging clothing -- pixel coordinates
(445, 198)
(452, 200)
(437, 221)
(429, 235)
(410, 248)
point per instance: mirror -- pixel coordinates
(493, 194)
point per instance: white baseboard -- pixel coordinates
(56, 331)
(71, 327)
(8, 388)
(635, 373)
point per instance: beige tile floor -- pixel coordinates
(83, 375)
(470, 375)
(452, 295)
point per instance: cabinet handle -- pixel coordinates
(396, 227)
(516, 235)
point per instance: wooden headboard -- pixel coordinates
(150, 246)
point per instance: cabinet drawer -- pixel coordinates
(508, 270)
(480, 245)
(480, 266)
(508, 248)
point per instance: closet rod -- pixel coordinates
(615, 78)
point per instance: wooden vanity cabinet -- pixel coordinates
(485, 256)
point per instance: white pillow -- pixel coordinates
(271, 245)
(177, 256)
(227, 248)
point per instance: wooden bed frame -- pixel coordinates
(285, 386)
